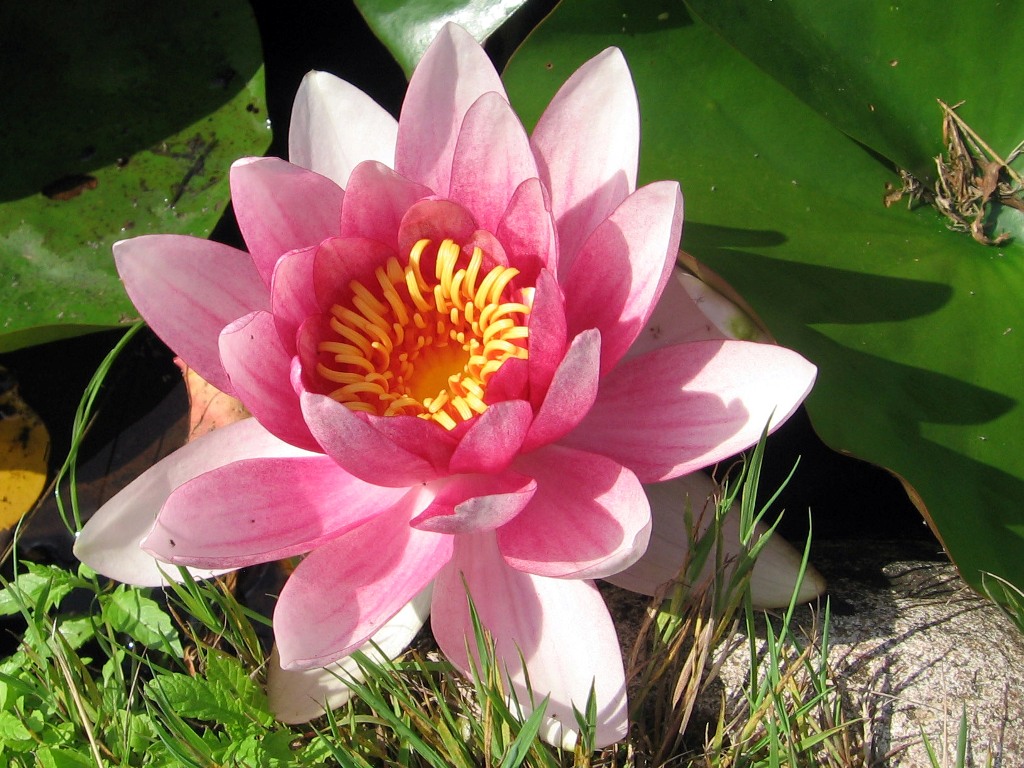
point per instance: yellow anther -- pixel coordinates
(460, 405)
(501, 281)
(387, 289)
(494, 329)
(440, 299)
(455, 291)
(475, 403)
(472, 272)
(517, 332)
(480, 297)
(406, 345)
(337, 348)
(472, 387)
(360, 292)
(355, 405)
(414, 293)
(351, 334)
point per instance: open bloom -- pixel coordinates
(441, 329)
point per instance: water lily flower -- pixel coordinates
(436, 330)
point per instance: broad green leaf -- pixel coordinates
(12, 729)
(76, 631)
(407, 28)
(916, 329)
(194, 697)
(259, 748)
(54, 757)
(116, 123)
(875, 69)
(226, 672)
(128, 610)
(39, 586)
(227, 696)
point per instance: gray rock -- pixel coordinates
(912, 647)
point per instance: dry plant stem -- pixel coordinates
(65, 669)
(970, 179)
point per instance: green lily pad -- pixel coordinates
(916, 329)
(875, 70)
(120, 120)
(407, 28)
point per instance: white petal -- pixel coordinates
(677, 318)
(109, 542)
(297, 696)
(335, 126)
(729, 319)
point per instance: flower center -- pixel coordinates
(424, 345)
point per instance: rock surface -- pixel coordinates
(912, 648)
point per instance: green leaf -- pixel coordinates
(875, 70)
(407, 28)
(128, 610)
(39, 586)
(194, 697)
(265, 749)
(76, 632)
(121, 123)
(12, 729)
(228, 673)
(916, 329)
(227, 696)
(49, 757)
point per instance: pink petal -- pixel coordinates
(362, 449)
(376, 201)
(340, 261)
(343, 592)
(293, 296)
(259, 368)
(587, 144)
(299, 695)
(335, 126)
(775, 571)
(681, 408)
(492, 158)
(548, 335)
(474, 503)
(281, 207)
(435, 220)
(188, 289)
(528, 232)
(589, 517)
(259, 510)
(494, 439)
(572, 392)
(559, 628)
(622, 268)
(453, 73)
(109, 542)
(493, 251)
(509, 382)
(676, 319)
(422, 437)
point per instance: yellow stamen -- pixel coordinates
(406, 345)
